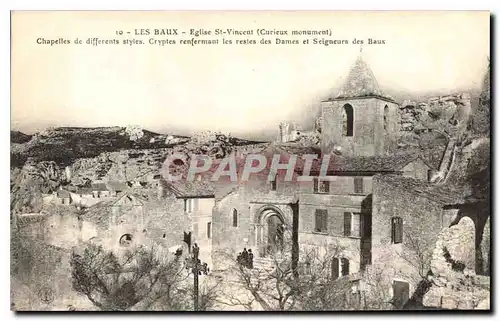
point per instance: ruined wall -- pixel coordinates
(454, 285)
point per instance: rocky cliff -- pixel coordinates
(45, 161)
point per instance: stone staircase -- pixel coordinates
(263, 263)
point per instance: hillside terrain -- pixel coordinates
(43, 162)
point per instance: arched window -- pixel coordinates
(235, 218)
(344, 264)
(348, 120)
(340, 267)
(396, 230)
(386, 117)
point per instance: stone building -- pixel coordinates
(361, 120)
(196, 200)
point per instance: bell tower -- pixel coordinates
(361, 120)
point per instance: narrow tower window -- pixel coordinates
(348, 120)
(386, 117)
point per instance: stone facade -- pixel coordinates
(369, 137)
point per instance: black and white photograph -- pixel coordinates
(202, 161)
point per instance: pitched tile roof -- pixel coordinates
(361, 83)
(98, 186)
(63, 194)
(201, 188)
(373, 164)
(117, 186)
(84, 191)
(443, 194)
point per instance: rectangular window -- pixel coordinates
(345, 266)
(320, 221)
(191, 205)
(358, 185)
(209, 229)
(235, 218)
(347, 223)
(397, 230)
(321, 186)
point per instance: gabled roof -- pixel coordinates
(361, 83)
(100, 211)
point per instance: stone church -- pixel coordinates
(375, 208)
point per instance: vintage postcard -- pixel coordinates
(250, 161)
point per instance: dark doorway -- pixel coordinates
(275, 233)
(401, 293)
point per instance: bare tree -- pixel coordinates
(138, 280)
(282, 286)
(417, 253)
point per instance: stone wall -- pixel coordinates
(369, 137)
(247, 199)
(42, 279)
(423, 220)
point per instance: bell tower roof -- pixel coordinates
(361, 83)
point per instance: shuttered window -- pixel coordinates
(358, 185)
(345, 266)
(335, 268)
(397, 230)
(321, 186)
(209, 229)
(347, 223)
(356, 224)
(320, 221)
(324, 186)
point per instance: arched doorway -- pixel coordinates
(272, 232)
(275, 234)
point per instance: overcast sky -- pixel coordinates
(232, 88)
